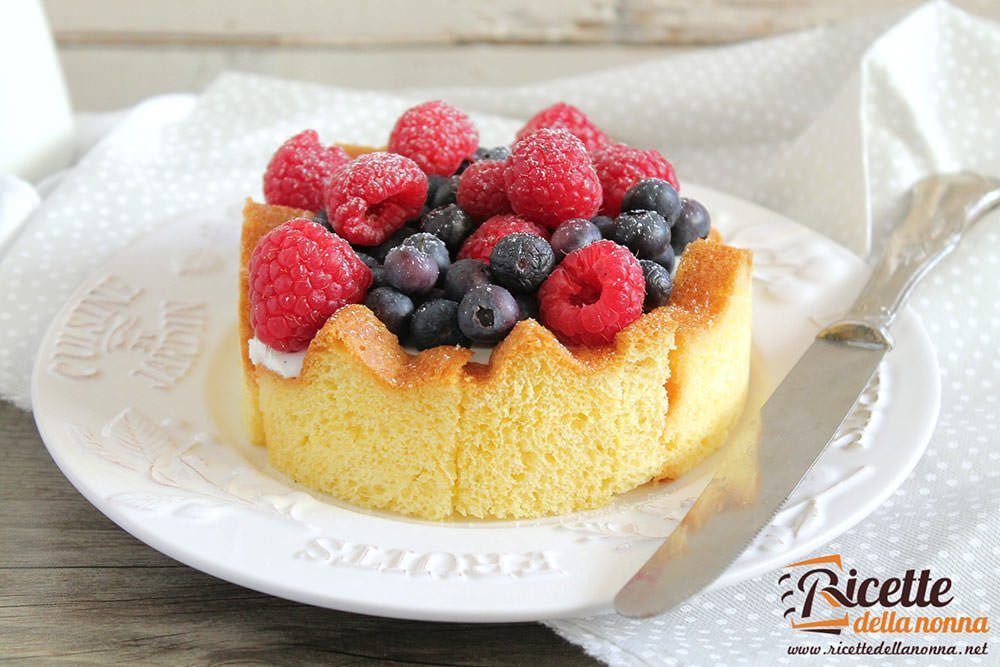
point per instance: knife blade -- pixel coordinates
(802, 415)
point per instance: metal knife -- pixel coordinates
(800, 418)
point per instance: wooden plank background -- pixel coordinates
(115, 52)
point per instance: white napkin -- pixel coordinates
(829, 126)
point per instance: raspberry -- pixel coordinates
(480, 244)
(373, 196)
(299, 170)
(300, 274)
(593, 294)
(481, 190)
(620, 167)
(550, 179)
(569, 118)
(436, 136)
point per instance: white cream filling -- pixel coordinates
(289, 364)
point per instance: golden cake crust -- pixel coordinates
(539, 429)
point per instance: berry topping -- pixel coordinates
(550, 179)
(659, 284)
(378, 273)
(480, 244)
(300, 274)
(481, 190)
(572, 235)
(653, 194)
(435, 323)
(441, 190)
(321, 219)
(449, 223)
(645, 233)
(436, 136)
(521, 262)
(567, 117)
(666, 258)
(487, 314)
(464, 275)
(410, 271)
(527, 304)
(373, 196)
(382, 249)
(495, 153)
(392, 307)
(620, 167)
(604, 223)
(299, 170)
(431, 246)
(595, 293)
(693, 223)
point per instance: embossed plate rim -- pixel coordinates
(456, 590)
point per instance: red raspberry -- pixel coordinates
(620, 167)
(569, 118)
(436, 136)
(481, 190)
(480, 244)
(300, 274)
(550, 178)
(373, 196)
(593, 294)
(299, 170)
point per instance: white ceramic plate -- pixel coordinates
(136, 394)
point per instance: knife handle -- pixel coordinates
(943, 207)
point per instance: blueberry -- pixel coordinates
(572, 235)
(666, 259)
(487, 314)
(521, 262)
(653, 194)
(449, 223)
(604, 225)
(435, 323)
(527, 306)
(410, 271)
(693, 223)
(495, 153)
(441, 191)
(378, 272)
(321, 219)
(432, 246)
(659, 284)
(464, 275)
(381, 250)
(392, 307)
(645, 233)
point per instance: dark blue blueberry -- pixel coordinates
(653, 194)
(572, 235)
(527, 306)
(645, 233)
(321, 218)
(435, 323)
(604, 225)
(464, 275)
(659, 284)
(449, 223)
(487, 314)
(393, 308)
(432, 246)
(441, 191)
(381, 250)
(495, 153)
(378, 273)
(666, 259)
(521, 262)
(693, 223)
(410, 271)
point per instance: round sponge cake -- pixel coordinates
(538, 430)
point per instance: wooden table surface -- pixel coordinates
(75, 588)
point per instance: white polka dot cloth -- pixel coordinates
(829, 127)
